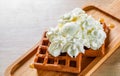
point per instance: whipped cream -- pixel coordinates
(75, 31)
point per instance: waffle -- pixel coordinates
(101, 51)
(63, 62)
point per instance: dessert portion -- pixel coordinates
(62, 47)
(76, 32)
(63, 62)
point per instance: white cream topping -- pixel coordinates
(75, 31)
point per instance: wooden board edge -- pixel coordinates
(102, 9)
(10, 68)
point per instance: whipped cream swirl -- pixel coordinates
(75, 31)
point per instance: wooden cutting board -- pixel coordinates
(21, 66)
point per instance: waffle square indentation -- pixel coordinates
(50, 61)
(45, 42)
(61, 62)
(73, 63)
(43, 50)
(40, 60)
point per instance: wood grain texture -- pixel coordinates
(23, 21)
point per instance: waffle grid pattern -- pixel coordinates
(64, 63)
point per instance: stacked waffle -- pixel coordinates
(63, 62)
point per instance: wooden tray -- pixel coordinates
(21, 66)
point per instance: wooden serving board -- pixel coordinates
(21, 66)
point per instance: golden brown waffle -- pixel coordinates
(64, 63)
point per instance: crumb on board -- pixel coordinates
(111, 26)
(101, 20)
(31, 66)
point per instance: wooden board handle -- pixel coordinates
(113, 9)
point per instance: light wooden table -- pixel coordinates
(23, 21)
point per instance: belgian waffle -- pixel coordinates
(63, 62)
